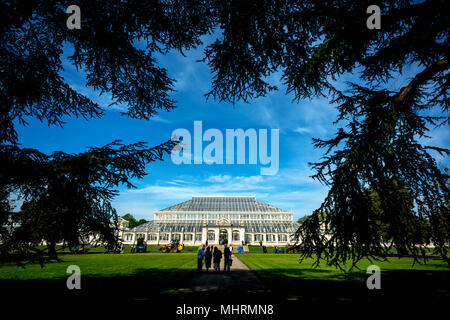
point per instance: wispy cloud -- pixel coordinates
(292, 190)
(302, 130)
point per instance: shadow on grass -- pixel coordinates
(290, 289)
(153, 291)
(143, 285)
(398, 287)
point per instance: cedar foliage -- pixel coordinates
(385, 185)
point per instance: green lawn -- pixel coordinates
(102, 265)
(294, 281)
(104, 277)
(150, 277)
(289, 264)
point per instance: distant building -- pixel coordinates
(217, 219)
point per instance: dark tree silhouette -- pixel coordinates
(313, 44)
(67, 196)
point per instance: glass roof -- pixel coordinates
(230, 204)
(190, 226)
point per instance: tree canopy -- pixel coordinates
(132, 222)
(314, 45)
(302, 219)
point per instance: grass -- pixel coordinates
(104, 277)
(399, 280)
(100, 265)
(151, 278)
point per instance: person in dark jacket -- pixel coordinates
(217, 256)
(208, 257)
(200, 256)
(227, 258)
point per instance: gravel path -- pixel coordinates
(241, 281)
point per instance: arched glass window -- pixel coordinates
(188, 237)
(236, 236)
(211, 235)
(282, 238)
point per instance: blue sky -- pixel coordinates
(291, 188)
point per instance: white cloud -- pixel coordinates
(218, 178)
(292, 189)
(302, 130)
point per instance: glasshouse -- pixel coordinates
(233, 220)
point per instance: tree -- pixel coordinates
(312, 44)
(67, 196)
(141, 221)
(302, 219)
(383, 125)
(132, 222)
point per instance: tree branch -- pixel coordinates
(419, 80)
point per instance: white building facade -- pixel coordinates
(218, 219)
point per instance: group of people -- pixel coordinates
(214, 255)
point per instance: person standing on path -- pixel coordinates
(200, 256)
(217, 256)
(208, 256)
(227, 258)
